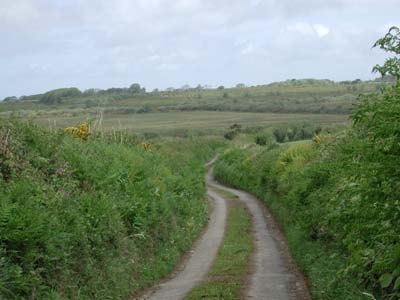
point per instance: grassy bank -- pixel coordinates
(226, 280)
(91, 219)
(337, 199)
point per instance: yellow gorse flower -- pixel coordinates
(323, 138)
(82, 131)
(317, 139)
(146, 146)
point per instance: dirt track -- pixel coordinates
(194, 269)
(274, 276)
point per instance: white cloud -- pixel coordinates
(309, 29)
(153, 57)
(167, 67)
(302, 28)
(321, 30)
(48, 44)
(248, 49)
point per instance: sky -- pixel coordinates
(48, 44)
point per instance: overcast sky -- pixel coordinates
(47, 44)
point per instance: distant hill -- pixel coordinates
(290, 96)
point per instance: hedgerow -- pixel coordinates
(338, 196)
(91, 219)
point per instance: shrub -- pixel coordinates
(265, 139)
(230, 135)
(280, 134)
(262, 139)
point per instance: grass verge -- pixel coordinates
(226, 280)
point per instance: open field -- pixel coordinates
(180, 112)
(201, 121)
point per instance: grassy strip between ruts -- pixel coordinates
(226, 280)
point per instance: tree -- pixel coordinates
(90, 92)
(8, 99)
(59, 95)
(390, 43)
(135, 88)
(240, 85)
(221, 87)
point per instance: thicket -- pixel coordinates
(57, 96)
(234, 130)
(93, 219)
(338, 197)
(295, 132)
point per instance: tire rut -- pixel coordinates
(275, 275)
(195, 268)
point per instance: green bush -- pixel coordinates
(263, 139)
(280, 134)
(57, 96)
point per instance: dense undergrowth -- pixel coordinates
(94, 219)
(337, 197)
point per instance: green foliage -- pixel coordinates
(390, 43)
(265, 139)
(234, 130)
(135, 88)
(230, 135)
(295, 132)
(279, 134)
(236, 127)
(57, 96)
(11, 98)
(262, 139)
(94, 219)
